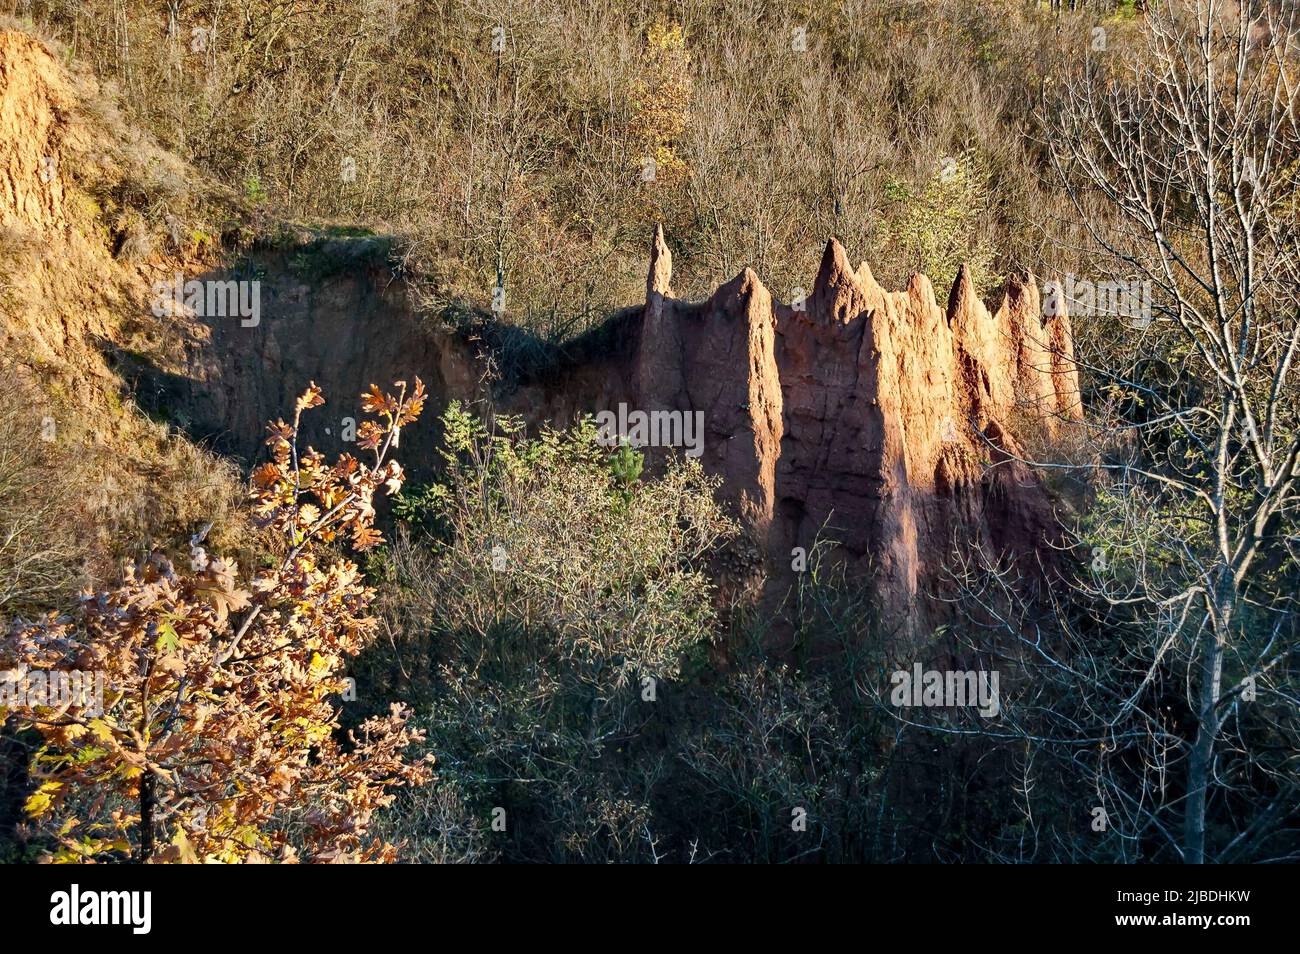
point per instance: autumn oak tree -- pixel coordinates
(219, 737)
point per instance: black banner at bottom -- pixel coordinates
(215, 905)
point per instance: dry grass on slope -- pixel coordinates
(86, 207)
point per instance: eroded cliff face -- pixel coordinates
(345, 330)
(885, 425)
(60, 289)
(80, 319)
(882, 423)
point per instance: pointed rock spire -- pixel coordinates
(920, 290)
(837, 295)
(659, 280)
(962, 298)
(835, 269)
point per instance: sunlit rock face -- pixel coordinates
(883, 422)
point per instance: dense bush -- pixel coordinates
(560, 601)
(211, 733)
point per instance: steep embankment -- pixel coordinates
(332, 311)
(76, 189)
(119, 394)
(880, 421)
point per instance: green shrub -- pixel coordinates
(561, 599)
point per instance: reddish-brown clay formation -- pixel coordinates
(877, 421)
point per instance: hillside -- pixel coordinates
(443, 434)
(864, 416)
(77, 268)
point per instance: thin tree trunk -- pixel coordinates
(146, 816)
(1207, 730)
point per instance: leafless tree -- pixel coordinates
(1194, 147)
